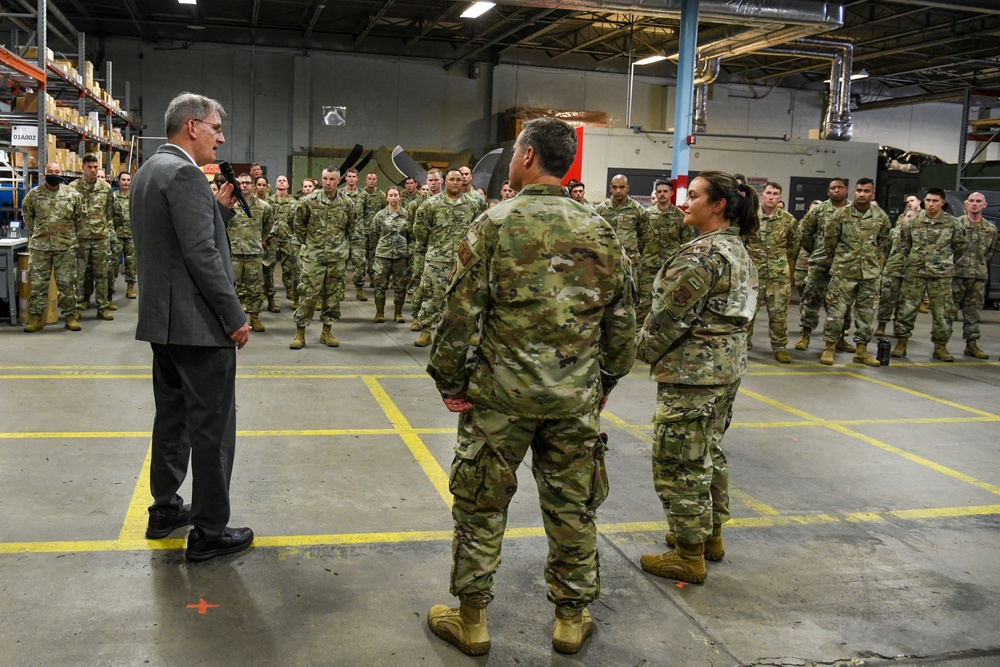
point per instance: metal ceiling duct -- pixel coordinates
(706, 71)
(837, 121)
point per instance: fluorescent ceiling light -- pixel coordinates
(863, 74)
(649, 60)
(187, 2)
(477, 9)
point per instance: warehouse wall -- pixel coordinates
(274, 100)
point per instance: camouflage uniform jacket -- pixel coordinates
(857, 241)
(120, 216)
(477, 200)
(775, 246)
(811, 232)
(545, 280)
(405, 200)
(393, 230)
(282, 211)
(974, 262)
(930, 246)
(411, 208)
(631, 222)
(98, 208)
(894, 265)
(669, 232)
(247, 234)
(374, 202)
(441, 224)
(703, 301)
(325, 226)
(53, 218)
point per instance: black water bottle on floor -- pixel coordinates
(883, 351)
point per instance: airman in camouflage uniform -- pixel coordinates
(325, 223)
(669, 233)
(892, 280)
(440, 225)
(930, 241)
(857, 238)
(433, 184)
(357, 197)
(282, 243)
(696, 344)
(246, 237)
(391, 256)
(468, 190)
(818, 278)
(375, 201)
(555, 379)
(802, 261)
(773, 250)
(630, 221)
(93, 244)
(972, 271)
(53, 214)
(123, 231)
(269, 258)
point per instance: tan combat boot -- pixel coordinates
(34, 324)
(272, 306)
(72, 323)
(130, 291)
(972, 350)
(803, 343)
(941, 353)
(86, 305)
(714, 549)
(327, 338)
(299, 341)
(899, 351)
(844, 346)
(828, 351)
(782, 356)
(861, 356)
(380, 313)
(111, 304)
(568, 634)
(684, 563)
(881, 329)
(398, 313)
(255, 323)
(104, 314)
(288, 294)
(360, 294)
(424, 340)
(416, 326)
(463, 627)
(925, 306)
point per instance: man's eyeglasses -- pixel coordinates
(215, 126)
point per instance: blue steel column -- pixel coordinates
(685, 96)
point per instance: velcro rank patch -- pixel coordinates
(465, 252)
(682, 295)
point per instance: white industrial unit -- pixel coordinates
(802, 166)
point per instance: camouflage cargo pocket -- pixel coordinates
(480, 478)
(599, 486)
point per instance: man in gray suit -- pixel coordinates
(190, 314)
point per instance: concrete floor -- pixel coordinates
(865, 504)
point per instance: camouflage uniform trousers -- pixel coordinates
(249, 281)
(41, 266)
(413, 289)
(125, 247)
(841, 295)
(800, 272)
(371, 241)
(387, 269)
(94, 254)
(776, 294)
(690, 472)
(567, 461)
(968, 297)
(889, 297)
(911, 294)
(284, 254)
(358, 261)
(433, 285)
(268, 261)
(114, 263)
(320, 283)
(814, 298)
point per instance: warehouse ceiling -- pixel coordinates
(912, 50)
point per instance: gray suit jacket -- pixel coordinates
(187, 288)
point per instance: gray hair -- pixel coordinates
(554, 142)
(332, 169)
(187, 106)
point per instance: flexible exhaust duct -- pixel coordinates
(706, 71)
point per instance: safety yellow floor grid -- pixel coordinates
(405, 411)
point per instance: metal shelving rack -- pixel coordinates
(984, 131)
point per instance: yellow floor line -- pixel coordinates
(84, 375)
(137, 514)
(427, 462)
(146, 367)
(986, 486)
(906, 390)
(73, 435)
(610, 528)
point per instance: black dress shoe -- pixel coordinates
(163, 522)
(233, 540)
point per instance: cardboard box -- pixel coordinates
(31, 53)
(88, 73)
(19, 161)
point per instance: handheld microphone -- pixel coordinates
(227, 172)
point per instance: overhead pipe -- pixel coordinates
(706, 72)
